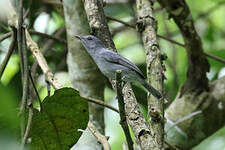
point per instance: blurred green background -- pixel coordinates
(209, 22)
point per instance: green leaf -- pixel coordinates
(56, 126)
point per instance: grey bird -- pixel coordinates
(109, 61)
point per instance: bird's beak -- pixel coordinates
(78, 36)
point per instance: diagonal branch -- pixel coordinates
(120, 21)
(44, 35)
(101, 138)
(46, 47)
(35, 89)
(5, 36)
(100, 102)
(9, 53)
(42, 62)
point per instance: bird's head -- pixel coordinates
(90, 42)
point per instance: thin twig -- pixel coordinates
(25, 73)
(123, 120)
(24, 70)
(99, 102)
(45, 48)
(29, 122)
(117, 30)
(167, 39)
(25, 87)
(35, 90)
(20, 35)
(42, 62)
(134, 27)
(170, 40)
(5, 36)
(50, 42)
(120, 21)
(20, 49)
(9, 53)
(48, 88)
(172, 147)
(26, 13)
(48, 36)
(185, 118)
(215, 57)
(182, 45)
(101, 138)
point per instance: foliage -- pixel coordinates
(56, 126)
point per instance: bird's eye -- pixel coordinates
(89, 38)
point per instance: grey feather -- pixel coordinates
(113, 57)
(109, 61)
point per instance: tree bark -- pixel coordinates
(84, 74)
(146, 24)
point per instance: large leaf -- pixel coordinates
(56, 126)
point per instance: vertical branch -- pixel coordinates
(146, 24)
(23, 65)
(25, 72)
(30, 112)
(9, 53)
(29, 122)
(123, 120)
(25, 84)
(20, 34)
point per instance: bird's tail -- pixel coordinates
(151, 89)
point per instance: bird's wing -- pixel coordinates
(114, 57)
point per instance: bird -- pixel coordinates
(109, 62)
